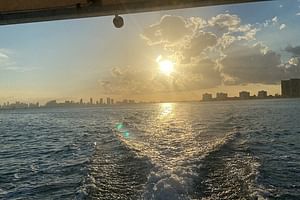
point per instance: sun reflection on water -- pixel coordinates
(166, 110)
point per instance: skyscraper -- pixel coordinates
(221, 96)
(285, 88)
(290, 88)
(206, 97)
(244, 95)
(262, 94)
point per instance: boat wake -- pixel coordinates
(127, 165)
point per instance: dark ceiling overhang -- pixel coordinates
(25, 11)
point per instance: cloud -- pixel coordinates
(199, 43)
(294, 61)
(131, 80)
(293, 65)
(170, 29)
(292, 68)
(176, 30)
(8, 62)
(226, 22)
(293, 50)
(282, 26)
(298, 14)
(274, 22)
(201, 74)
(4, 58)
(208, 53)
(245, 64)
(270, 22)
(275, 19)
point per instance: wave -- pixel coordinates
(115, 171)
(229, 172)
(122, 167)
(180, 182)
(195, 177)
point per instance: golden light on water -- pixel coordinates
(165, 66)
(166, 110)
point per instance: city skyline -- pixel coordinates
(243, 95)
(104, 98)
(175, 55)
(67, 103)
(289, 89)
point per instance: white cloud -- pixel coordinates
(170, 30)
(208, 53)
(298, 14)
(282, 26)
(4, 58)
(225, 22)
(8, 62)
(275, 19)
(293, 61)
(267, 23)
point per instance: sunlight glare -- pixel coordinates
(166, 110)
(166, 66)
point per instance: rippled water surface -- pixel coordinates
(217, 150)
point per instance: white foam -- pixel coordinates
(172, 176)
(166, 185)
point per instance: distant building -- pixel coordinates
(101, 100)
(262, 94)
(18, 105)
(244, 95)
(285, 88)
(108, 101)
(33, 105)
(206, 97)
(91, 100)
(221, 96)
(52, 103)
(131, 101)
(81, 101)
(111, 101)
(290, 88)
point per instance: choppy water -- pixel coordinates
(217, 150)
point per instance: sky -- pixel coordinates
(225, 48)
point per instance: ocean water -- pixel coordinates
(213, 150)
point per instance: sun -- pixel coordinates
(165, 66)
